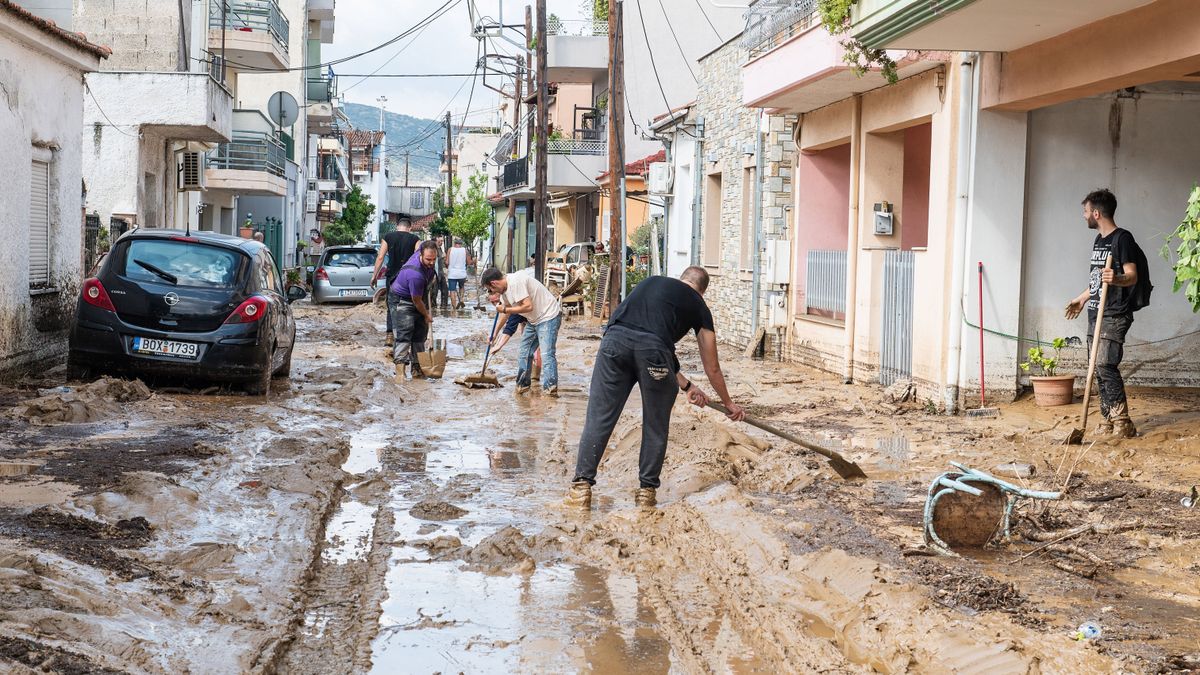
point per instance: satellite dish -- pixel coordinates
(283, 109)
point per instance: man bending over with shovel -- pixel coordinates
(522, 294)
(411, 319)
(639, 348)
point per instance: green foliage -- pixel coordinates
(634, 275)
(835, 17)
(596, 9)
(441, 223)
(350, 227)
(641, 237)
(1047, 364)
(1186, 265)
(293, 276)
(472, 215)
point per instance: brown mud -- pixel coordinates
(356, 522)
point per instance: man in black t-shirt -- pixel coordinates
(1099, 207)
(639, 348)
(397, 247)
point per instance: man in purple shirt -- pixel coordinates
(411, 319)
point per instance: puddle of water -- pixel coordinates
(348, 535)
(365, 447)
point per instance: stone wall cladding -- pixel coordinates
(729, 130)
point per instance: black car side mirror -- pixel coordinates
(295, 293)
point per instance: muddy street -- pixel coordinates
(352, 521)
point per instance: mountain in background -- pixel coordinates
(402, 130)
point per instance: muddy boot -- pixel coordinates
(1104, 427)
(522, 389)
(389, 341)
(552, 391)
(1122, 425)
(580, 495)
(645, 498)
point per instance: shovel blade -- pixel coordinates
(1074, 438)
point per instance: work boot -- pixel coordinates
(389, 341)
(522, 389)
(551, 391)
(1105, 426)
(580, 495)
(646, 498)
(417, 373)
(1122, 425)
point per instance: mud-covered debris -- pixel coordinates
(436, 509)
(510, 550)
(963, 588)
(46, 659)
(85, 541)
(86, 403)
(900, 391)
(440, 548)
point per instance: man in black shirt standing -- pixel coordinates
(1099, 207)
(397, 247)
(639, 348)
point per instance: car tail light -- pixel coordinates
(249, 311)
(321, 274)
(94, 294)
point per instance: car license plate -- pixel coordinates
(352, 293)
(179, 350)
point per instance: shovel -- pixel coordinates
(1076, 435)
(483, 380)
(843, 467)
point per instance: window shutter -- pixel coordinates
(39, 225)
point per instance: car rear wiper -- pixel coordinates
(165, 275)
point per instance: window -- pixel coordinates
(746, 252)
(181, 263)
(39, 220)
(417, 200)
(711, 240)
(350, 259)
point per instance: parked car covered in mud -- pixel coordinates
(195, 305)
(343, 274)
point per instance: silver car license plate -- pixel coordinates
(352, 293)
(157, 347)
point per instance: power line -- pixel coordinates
(393, 56)
(710, 23)
(671, 25)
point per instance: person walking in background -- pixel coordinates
(639, 348)
(441, 291)
(411, 318)
(1129, 290)
(397, 247)
(524, 295)
(457, 259)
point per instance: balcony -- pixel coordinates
(253, 34)
(577, 51)
(321, 92)
(514, 177)
(321, 10)
(975, 25)
(800, 66)
(572, 164)
(251, 163)
(177, 105)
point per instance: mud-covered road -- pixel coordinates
(351, 522)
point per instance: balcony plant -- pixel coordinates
(835, 16)
(1049, 388)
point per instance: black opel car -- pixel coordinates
(197, 305)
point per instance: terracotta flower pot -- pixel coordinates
(1056, 390)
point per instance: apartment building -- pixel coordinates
(42, 68)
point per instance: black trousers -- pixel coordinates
(1108, 358)
(627, 357)
(409, 330)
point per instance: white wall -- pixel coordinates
(1147, 150)
(679, 229)
(41, 103)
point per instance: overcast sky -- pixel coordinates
(445, 46)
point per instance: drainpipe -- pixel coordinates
(664, 252)
(624, 238)
(756, 254)
(856, 151)
(697, 188)
(962, 171)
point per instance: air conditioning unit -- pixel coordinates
(660, 178)
(191, 172)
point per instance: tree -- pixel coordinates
(472, 215)
(441, 224)
(350, 227)
(1186, 264)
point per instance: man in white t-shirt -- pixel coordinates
(520, 293)
(457, 259)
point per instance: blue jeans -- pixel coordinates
(544, 336)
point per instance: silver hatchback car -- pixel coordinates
(344, 275)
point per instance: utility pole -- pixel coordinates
(616, 163)
(382, 100)
(519, 80)
(405, 168)
(449, 163)
(543, 124)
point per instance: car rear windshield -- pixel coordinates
(363, 258)
(182, 263)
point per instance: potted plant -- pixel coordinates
(1049, 388)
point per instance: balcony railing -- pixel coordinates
(322, 89)
(577, 27)
(770, 23)
(249, 151)
(514, 174)
(574, 146)
(251, 15)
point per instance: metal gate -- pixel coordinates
(896, 337)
